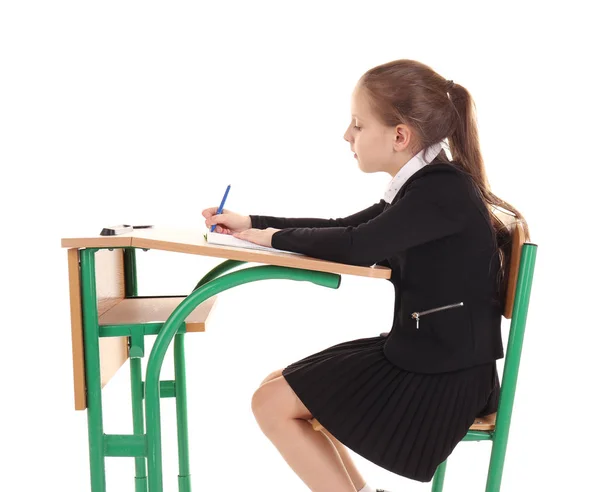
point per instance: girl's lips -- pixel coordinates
(354, 155)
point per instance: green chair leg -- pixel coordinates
(494, 477)
(438, 478)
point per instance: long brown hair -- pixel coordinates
(411, 93)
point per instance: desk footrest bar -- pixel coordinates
(167, 389)
(125, 445)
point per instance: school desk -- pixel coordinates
(109, 322)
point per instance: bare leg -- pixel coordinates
(357, 479)
(310, 454)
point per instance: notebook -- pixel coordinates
(229, 240)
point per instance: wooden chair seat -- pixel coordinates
(486, 423)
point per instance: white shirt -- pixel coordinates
(418, 161)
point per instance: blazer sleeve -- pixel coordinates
(434, 206)
(264, 221)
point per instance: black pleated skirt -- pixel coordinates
(405, 422)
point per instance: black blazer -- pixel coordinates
(439, 242)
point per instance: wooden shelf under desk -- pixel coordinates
(139, 310)
(114, 309)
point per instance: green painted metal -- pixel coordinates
(92, 369)
(130, 264)
(167, 389)
(499, 436)
(124, 445)
(136, 342)
(137, 444)
(184, 478)
(171, 326)
(438, 478)
(136, 352)
(127, 330)
(511, 366)
(218, 271)
(141, 479)
(473, 435)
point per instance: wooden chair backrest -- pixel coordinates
(517, 240)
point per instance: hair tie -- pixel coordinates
(450, 84)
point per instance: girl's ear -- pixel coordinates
(402, 137)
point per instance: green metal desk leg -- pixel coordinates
(438, 478)
(130, 267)
(182, 418)
(92, 368)
(135, 365)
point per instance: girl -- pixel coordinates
(405, 399)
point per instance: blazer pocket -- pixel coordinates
(448, 324)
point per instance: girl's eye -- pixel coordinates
(357, 127)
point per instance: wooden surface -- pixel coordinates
(518, 239)
(76, 330)
(487, 423)
(113, 308)
(192, 241)
(156, 310)
(110, 290)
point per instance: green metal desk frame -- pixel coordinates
(146, 446)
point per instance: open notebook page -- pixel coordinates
(229, 240)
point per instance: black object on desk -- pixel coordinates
(122, 229)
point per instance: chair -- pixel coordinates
(495, 427)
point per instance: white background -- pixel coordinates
(143, 112)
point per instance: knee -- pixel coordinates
(262, 405)
(261, 398)
(265, 400)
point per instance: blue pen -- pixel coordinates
(212, 228)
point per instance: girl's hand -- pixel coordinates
(257, 236)
(227, 222)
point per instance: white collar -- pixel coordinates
(418, 161)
